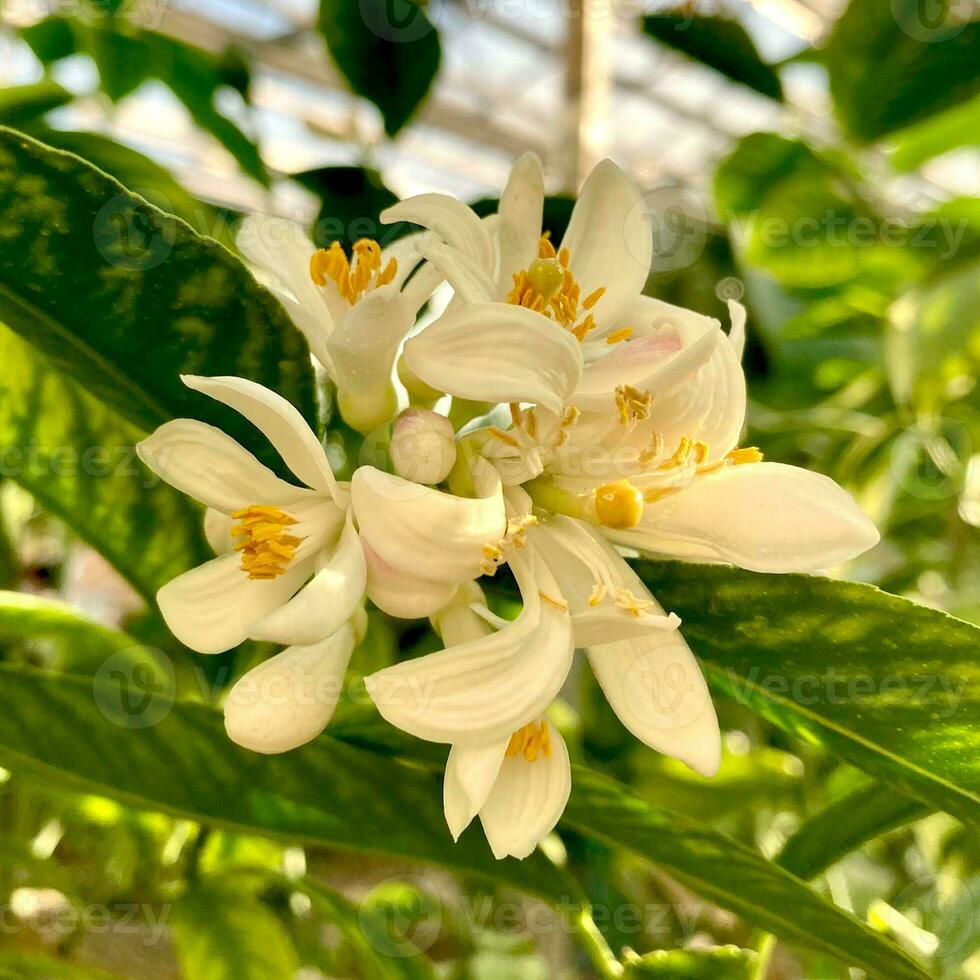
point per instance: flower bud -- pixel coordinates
(423, 446)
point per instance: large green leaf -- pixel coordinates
(332, 793)
(844, 826)
(719, 42)
(222, 934)
(730, 874)
(151, 299)
(895, 62)
(184, 764)
(388, 50)
(890, 686)
(956, 127)
(76, 457)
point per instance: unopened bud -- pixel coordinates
(423, 446)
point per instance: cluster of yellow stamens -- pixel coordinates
(353, 278)
(699, 450)
(529, 741)
(633, 404)
(266, 545)
(549, 287)
(515, 536)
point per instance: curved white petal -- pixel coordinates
(581, 561)
(365, 342)
(278, 420)
(414, 528)
(470, 774)
(527, 800)
(208, 465)
(472, 283)
(325, 602)
(610, 241)
(499, 353)
(217, 530)
(520, 214)
(401, 593)
(212, 607)
(288, 700)
(486, 689)
(282, 250)
(455, 223)
(766, 517)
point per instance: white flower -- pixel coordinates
(290, 568)
(353, 312)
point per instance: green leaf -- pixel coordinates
(153, 300)
(959, 126)
(221, 934)
(887, 685)
(853, 820)
(798, 214)
(933, 346)
(388, 50)
(37, 966)
(895, 62)
(142, 176)
(50, 39)
(721, 963)
(729, 874)
(76, 457)
(352, 199)
(326, 793)
(22, 104)
(719, 42)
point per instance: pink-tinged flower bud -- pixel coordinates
(423, 446)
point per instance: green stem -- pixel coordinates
(595, 946)
(765, 947)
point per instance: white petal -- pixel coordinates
(364, 345)
(520, 215)
(580, 559)
(499, 353)
(403, 594)
(288, 700)
(527, 800)
(435, 535)
(472, 283)
(282, 250)
(211, 608)
(278, 420)
(737, 334)
(325, 602)
(217, 530)
(208, 465)
(470, 773)
(610, 241)
(766, 517)
(488, 688)
(453, 222)
(656, 688)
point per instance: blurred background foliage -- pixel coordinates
(818, 161)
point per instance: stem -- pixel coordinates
(595, 946)
(766, 945)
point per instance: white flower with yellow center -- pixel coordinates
(353, 310)
(290, 568)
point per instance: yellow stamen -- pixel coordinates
(653, 494)
(598, 594)
(750, 454)
(352, 278)
(503, 436)
(617, 335)
(529, 741)
(630, 603)
(267, 547)
(558, 604)
(619, 505)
